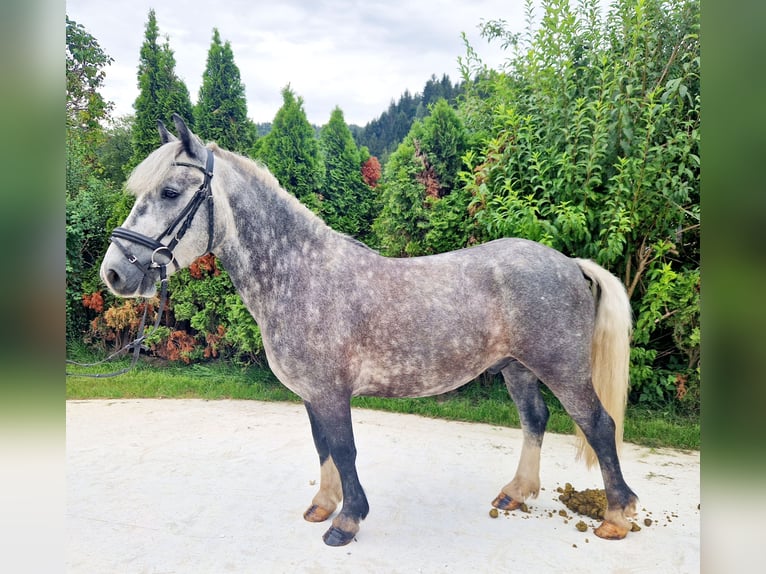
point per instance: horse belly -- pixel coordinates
(410, 385)
(424, 370)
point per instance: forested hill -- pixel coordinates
(384, 134)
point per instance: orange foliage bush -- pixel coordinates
(213, 340)
(119, 323)
(371, 171)
(204, 266)
(93, 301)
(178, 346)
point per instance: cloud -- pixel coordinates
(353, 54)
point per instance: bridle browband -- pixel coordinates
(162, 255)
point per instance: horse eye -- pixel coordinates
(169, 193)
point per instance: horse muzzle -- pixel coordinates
(124, 279)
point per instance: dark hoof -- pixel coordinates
(337, 537)
(505, 502)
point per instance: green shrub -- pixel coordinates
(89, 201)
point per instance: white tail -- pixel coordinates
(610, 354)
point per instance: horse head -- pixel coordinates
(163, 232)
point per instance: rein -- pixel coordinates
(162, 255)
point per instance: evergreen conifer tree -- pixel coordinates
(221, 111)
(446, 141)
(347, 200)
(162, 93)
(423, 209)
(291, 151)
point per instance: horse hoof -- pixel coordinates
(610, 531)
(337, 537)
(316, 513)
(505, 502)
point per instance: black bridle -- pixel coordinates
(184, 220)
(162, 255)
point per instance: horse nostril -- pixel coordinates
(112, 277)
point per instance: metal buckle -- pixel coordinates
(164, 252)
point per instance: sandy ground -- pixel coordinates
(187, 486)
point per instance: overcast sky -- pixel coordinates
(355, 54)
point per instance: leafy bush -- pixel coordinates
(88, 203)
(204, 319)
(205, 305)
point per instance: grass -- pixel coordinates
(156, 379)
(484, 400)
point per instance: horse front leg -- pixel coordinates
(332, 420)
(330, 493)
(524, 389)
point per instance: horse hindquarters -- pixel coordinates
(583, 360)
(334, 438)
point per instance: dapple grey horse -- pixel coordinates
(339, 320)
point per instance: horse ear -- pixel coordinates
(192, 144)
(165, 135)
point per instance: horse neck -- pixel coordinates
(267, 235)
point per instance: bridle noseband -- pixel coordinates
(162, 255)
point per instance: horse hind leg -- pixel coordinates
(524, 389)
(597, 425)
(330, 493)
